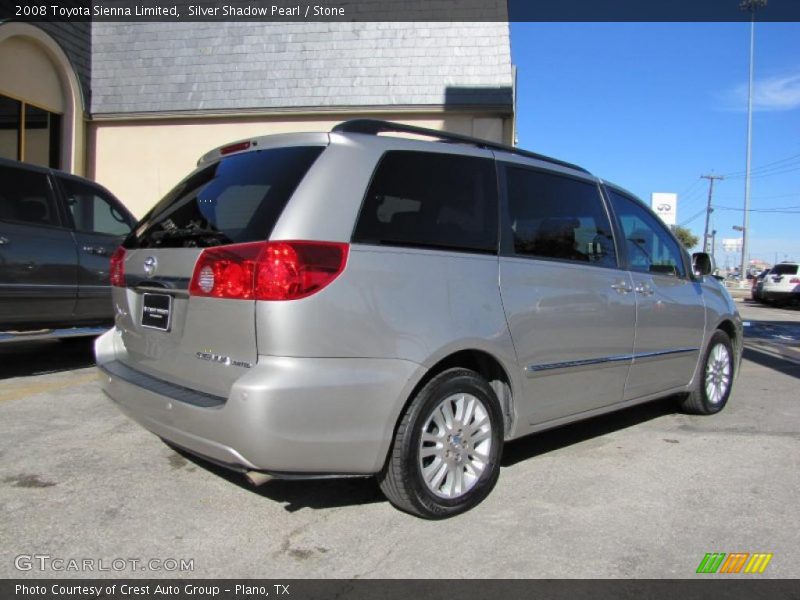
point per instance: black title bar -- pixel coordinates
(728, 588)
(398, 10)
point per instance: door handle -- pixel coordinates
(96, 250)
(644, 289)
(4, 241)
(621, 287)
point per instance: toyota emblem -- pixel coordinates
(150, 265)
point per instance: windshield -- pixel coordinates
(237, 199)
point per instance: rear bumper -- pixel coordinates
(775, 296)
(300, 416)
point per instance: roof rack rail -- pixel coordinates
(376, 126)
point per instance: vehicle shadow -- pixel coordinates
(770, 361)
(333, 493)
(574, 433)
(22, 359)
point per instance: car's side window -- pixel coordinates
(92, 211)
(557, 217)
(651, 249)
(25, 197)
(431, 200)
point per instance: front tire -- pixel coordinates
(445, 458)
(715, 379)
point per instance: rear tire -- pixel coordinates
(714, 379)
(445, 458)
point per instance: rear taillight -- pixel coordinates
(794, 280)
(116, 270)
(267, 270)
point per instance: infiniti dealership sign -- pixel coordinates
(665, 206)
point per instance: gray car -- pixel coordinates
(353, 304)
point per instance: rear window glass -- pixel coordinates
(25, 197)
(238, 199)
(431, 200)
(784, 270)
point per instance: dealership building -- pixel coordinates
(133, 105)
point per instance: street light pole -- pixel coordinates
(750, 5)
(713, 244)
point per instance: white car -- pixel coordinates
(782, 284)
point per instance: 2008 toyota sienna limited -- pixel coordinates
(356, 304)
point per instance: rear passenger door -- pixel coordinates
(37, 252)
(670, 317)
(570, 307)
(101, 225)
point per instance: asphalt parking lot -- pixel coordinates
(641, 493)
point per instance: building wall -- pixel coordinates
(141, 160)
(178, 67)
(75, 39)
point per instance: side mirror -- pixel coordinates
(701, 264)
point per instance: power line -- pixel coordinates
(771, 197)
(769, 173)
(692, 218)
(764, 166)
(791, 210)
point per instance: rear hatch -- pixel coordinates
(202, 343)
(782, 277)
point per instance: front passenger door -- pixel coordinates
(670, 312)
(101, 225)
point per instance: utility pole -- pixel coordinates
(752, 6)
(709, 209)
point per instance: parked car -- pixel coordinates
(355, 304)
(57, 233)
(782, 285)
(757, 286)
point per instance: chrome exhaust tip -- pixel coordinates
(257, 478)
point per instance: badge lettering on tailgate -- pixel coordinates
(209, 356)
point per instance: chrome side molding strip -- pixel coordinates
(600, 363)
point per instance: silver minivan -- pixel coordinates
(354, 304)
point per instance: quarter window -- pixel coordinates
(557, 217)
(651, 249)
(92, 211)
(431, 200)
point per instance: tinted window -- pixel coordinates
(651, 248)
(10, 114)
(29, 134)
(784, 269)
(92, 211)
(558, 217)
(431, 200)
(25, 196)
(238, 199)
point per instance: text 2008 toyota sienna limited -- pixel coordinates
(344, 303)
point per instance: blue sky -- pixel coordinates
(652, 106)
